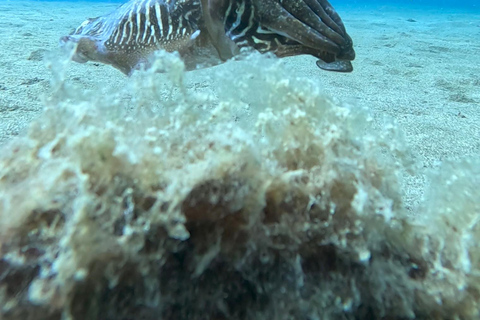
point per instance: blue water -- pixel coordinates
(467, 5)
(416, 3)
(473, 5)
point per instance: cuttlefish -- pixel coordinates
(209, 32)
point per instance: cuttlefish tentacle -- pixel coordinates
(208, 32)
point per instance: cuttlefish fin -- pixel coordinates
(226, 48)
(338, 65)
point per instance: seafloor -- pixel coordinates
(258, 189)
(417, 66)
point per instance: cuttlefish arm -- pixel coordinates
(213, 17)
(275, 18)
(316, 28)
(303, 13)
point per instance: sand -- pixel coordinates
(417, 66)
(241, 191)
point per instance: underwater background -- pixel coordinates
(442, 4)
(262, 188)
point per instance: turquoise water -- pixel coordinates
(469, 4)
(446, 4)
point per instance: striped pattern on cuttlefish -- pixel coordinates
(209, 32)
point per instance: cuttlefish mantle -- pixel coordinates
(209, 32)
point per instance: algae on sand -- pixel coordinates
(266, 201)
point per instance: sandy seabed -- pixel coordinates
(254, 197)
(417, 66)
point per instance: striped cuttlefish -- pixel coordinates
(209, 32)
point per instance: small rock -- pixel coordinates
(37, 55)
(31, 81)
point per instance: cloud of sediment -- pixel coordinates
(265, 200)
